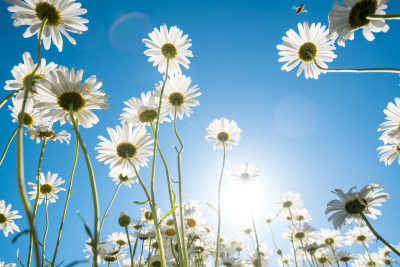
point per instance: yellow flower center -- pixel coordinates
(169, 50)
(46, 10)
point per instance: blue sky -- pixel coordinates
(306, 136)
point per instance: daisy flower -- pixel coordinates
(252, 260)
(368, 259)
(7, 219)
(147, 216)
(344, 256)
(22, 72)
(245, 173)
(111, 255)
(48, 187)
(352, 15)
(45, 132)
(323, 259)
(2, 264)
(391, 125)
(388, 153)
(229, 260)
(62, 15)
(32, 117)
(330, 237)
(287, 203)
(178, 95)
(359, 235)
(63, 89)
(351, 203)
(300, 234)
(312, 43)
(126, 142)
(312, 248)
(119, 239)
(141, 111)
(126, 180)
(169, 45)
(226, 133)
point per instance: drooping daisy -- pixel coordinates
(22, 72)
(118, 238)
(368, 259)
(351, 203)
(168, 45)
(125, 179)
(345, 257)
(311, 247)
(62, 15)
(32, 117)
(312, 43)
(391, 126)
(331, 238)
(48, 187)
(7, 219)
(388, 153)
(141, 111)
(45, 132)
(359, 235)
(126, 142)
(111, 255)
(178, 95)
(352, 15)
(245, 173)
(287, 203)
(63, 89)
(224, 132)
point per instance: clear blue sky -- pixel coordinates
(307, 136)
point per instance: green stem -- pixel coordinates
(347, 265)
(386, 16)
(134, 248)
(170, 199)
(154, 211)
(8, 145)
(272, 235)
(309, 262)
(294, 251)
(219, 209)
(37, 195)
(108, 207)
(369, 255)
(129, 242)
(141, 254)
(92, 184)
(66, 203)
(20, 160)
(258, 245)
(334, 254)
(45, 231)
(378, 236)
(183, 234)
(9, 96)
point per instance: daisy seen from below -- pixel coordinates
(126, 143)
(2, 264)
(391, 127)
(178, 95)
(62, 17)
(226, 133)
(168, 46)
(359, 235)
(312, 43)
(141, 111)
(349, 205)
(45, 132)
(368, 259)
(22, 72)
(118, 238)
(32, 116)
(48, 187)
(331, 238)
(125, 179)
(389, 153)
(344, 256)
(352, 15)
(7, 219)
(245, 173)
(287, 203)
(63, 89)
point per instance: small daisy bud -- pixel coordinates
(279, 252)
(124, 220)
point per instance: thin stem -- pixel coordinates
(66, 202)
(129, 242)
(170, 199)
(294, 250)
(92, 184)
(108, 207)
(45, 231)
(378, 236)
(134, 248)
(369, 255)
(185, 253)
(37, 195)
(386, 16)
(301, 241)
(347, 265)
(8, 145)
(258, 246)
(141, 253)
(9, 96)
(334, 254)
(219, 209)
(272, 235)
(20, 160)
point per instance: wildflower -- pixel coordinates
(391, 125)
(287, 203)
(245, 173)
(226, 133)
(32, 116)
(359, 235)
(45, 132)
(119, 239)
(7, 219)
(48, 187)
(330, 237)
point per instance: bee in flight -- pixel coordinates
(299, 9)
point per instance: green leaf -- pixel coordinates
(140, 203)
(86, 226)
(212, 207)
(77, 262)
(168, 213)
(19, 235)
(175, 182)
(73, 191)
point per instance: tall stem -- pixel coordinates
(378, 236)
(219, 209)
(294, 250)
(129, 242)
(20, 152)
(185, 253)
(45, 231)
(8, 145)
(108, 207)
(92, 184)
(66, 203)
(9, 96)
(386, 16)
(258, 245)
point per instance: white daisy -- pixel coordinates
(352, 15)
(22, 72)
(63, 89)
(141, 111)
(125, 142)
(32, 117)
(300, 234)
(368, 259)
(229, 260)
(2, 264)
(7, 219)
(45, 132)
(62, 15)
(287, 203)
(391, 126)
(296, 49)
(323, 259)
(168, 45)
(48, 187)
(252, 260)
(359, 235)
(125, 179)
(344, 256)
(118, 238)
(311, 247)
(178, 95)
(351, 203)
(388, 153)
(245, 173)
(147, 216)
(111, 255)
(330, 238)
(224, 132)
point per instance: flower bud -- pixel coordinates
(124, 220)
